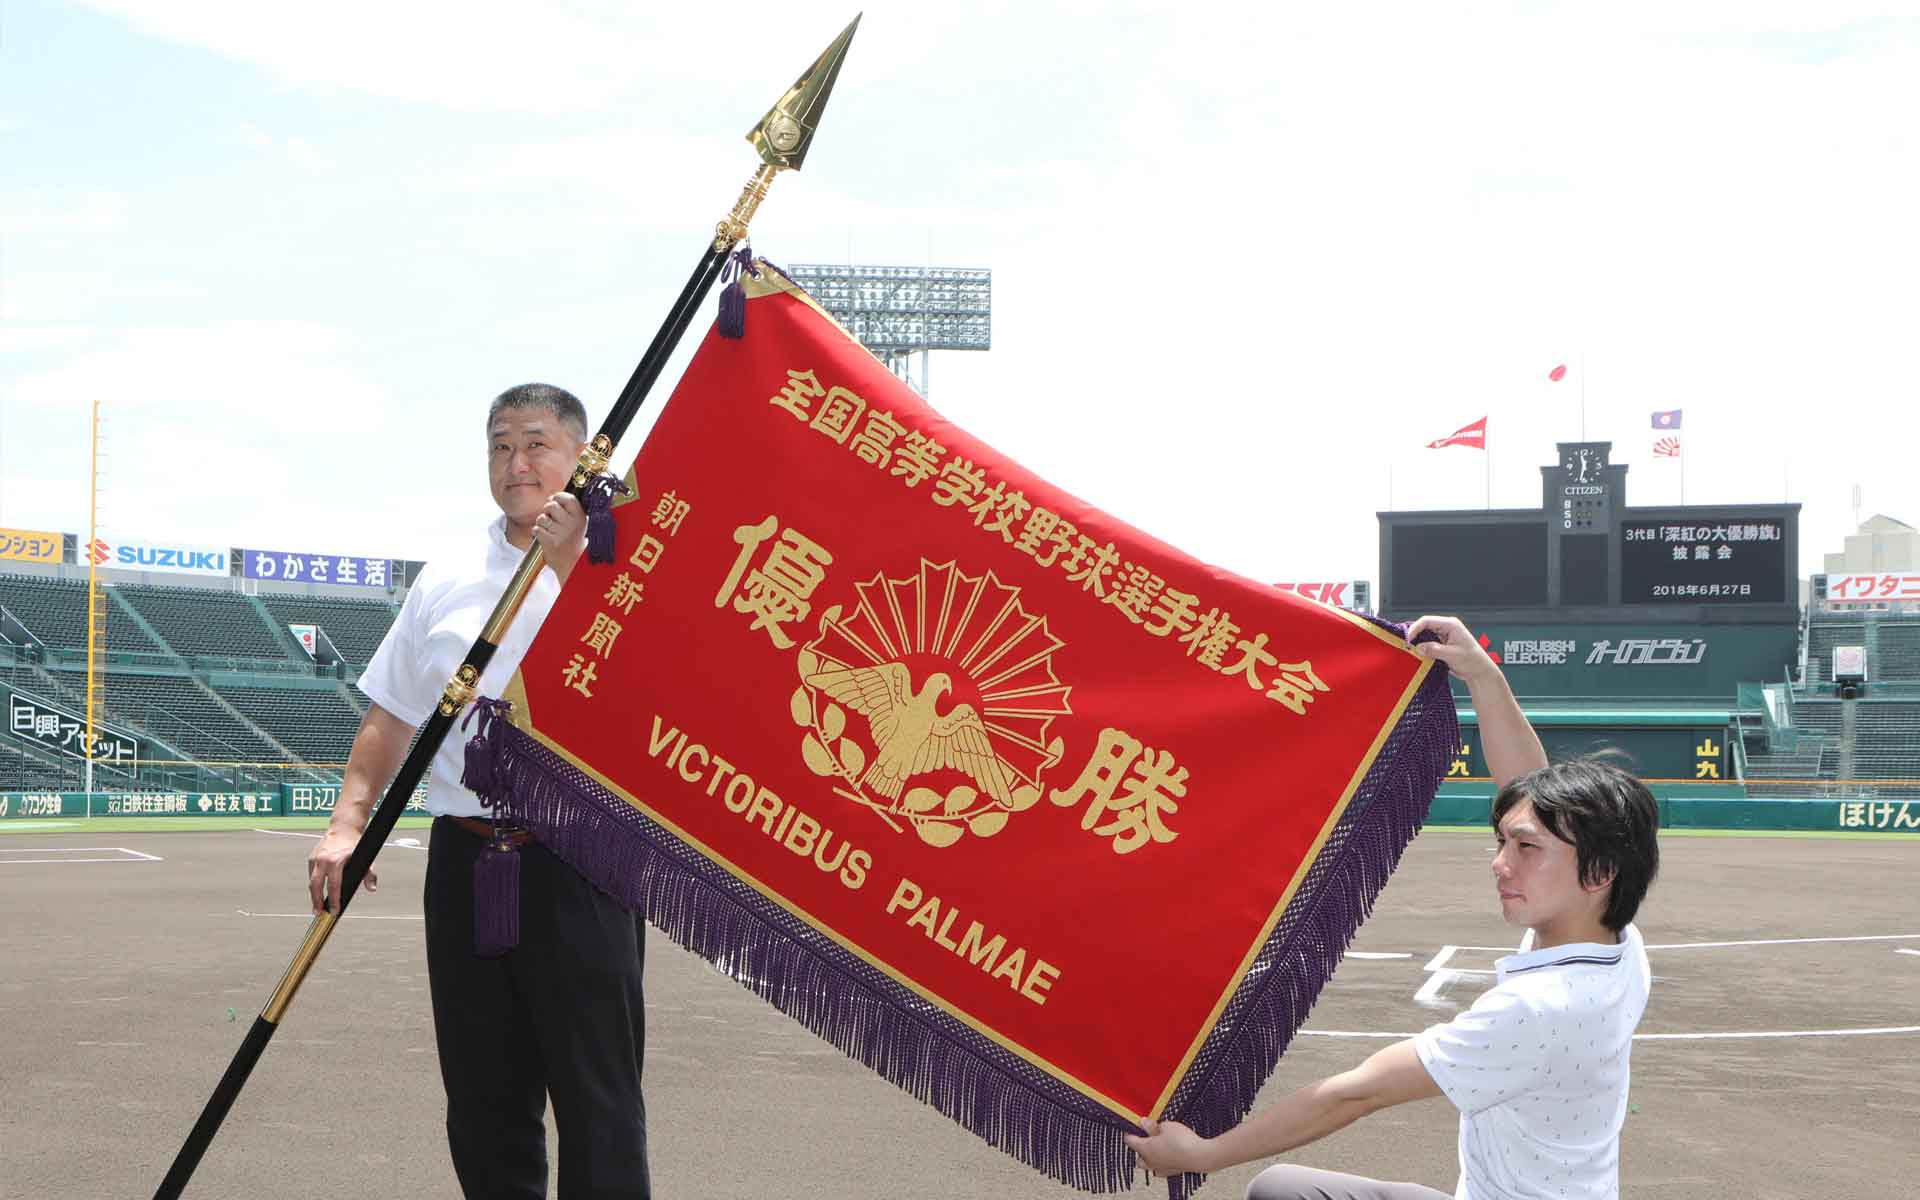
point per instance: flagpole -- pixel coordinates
(782, 139)
(1583, 395)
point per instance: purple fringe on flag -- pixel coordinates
(597, 498)
(1312, 935)
(871, 1017)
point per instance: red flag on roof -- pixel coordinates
(1474, 435)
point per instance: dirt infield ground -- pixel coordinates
(119, 965)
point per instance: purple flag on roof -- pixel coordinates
(1667, 420)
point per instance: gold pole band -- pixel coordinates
(733, 226)
(593, 460)
(317, 932)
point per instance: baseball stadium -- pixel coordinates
(786, 786)
(1776, 724)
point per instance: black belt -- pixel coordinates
(480, 827)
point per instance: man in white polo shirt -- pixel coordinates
(1538, 1067)
(560, 1016)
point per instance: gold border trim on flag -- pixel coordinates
(1306, 862)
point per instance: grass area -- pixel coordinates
(178, 824)
(1873, 835)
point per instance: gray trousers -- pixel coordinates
(1287, 1182)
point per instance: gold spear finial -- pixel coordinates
(784, 134)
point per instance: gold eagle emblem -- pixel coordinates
(909, 737)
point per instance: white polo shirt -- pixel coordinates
(441, 618)
(1538, 1069)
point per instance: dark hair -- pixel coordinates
(1609, 817)
(559, 401)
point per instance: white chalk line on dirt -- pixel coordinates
(307, 916)
(405, 843)
(1868, 937)
(1661, 1037)
(120, 854)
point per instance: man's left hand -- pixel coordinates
(561, 530)
(1169, 1148)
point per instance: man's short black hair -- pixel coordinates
(559, 401)
(1609, 817)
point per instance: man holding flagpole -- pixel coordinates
(561, 1014)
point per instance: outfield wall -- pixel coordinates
(1714, 806)
(1682, 806)
(285, 800)
(1653, 743)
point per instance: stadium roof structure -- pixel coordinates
(897, 312)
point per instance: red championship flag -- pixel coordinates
(1474, 436)
(935, 757)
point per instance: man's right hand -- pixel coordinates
(326, 863)
(1511, 746)
(1457, 648)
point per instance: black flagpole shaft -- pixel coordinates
(655, 359)
(692, 296)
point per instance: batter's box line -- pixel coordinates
(1659, 1037)
(1865, 937)
(125, 853)
(1440, 976)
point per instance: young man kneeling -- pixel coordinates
(1538, 1067)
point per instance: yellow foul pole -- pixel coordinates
(94, 613)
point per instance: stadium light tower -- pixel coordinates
(898, 312)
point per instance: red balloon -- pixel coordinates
(1558, 373)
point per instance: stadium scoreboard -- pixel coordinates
(1585, 549)
(1704, 561)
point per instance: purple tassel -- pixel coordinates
(733, 311)
(496, 874)
(477, 777)
(732, 322)
(496, 897)
(598, 499)
(485, 749)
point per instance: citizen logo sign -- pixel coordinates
(1584, 491)
(1629, 652)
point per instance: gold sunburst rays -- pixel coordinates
(979, 626)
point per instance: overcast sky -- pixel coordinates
(1247, 260)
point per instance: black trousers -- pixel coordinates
(559, 1017)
